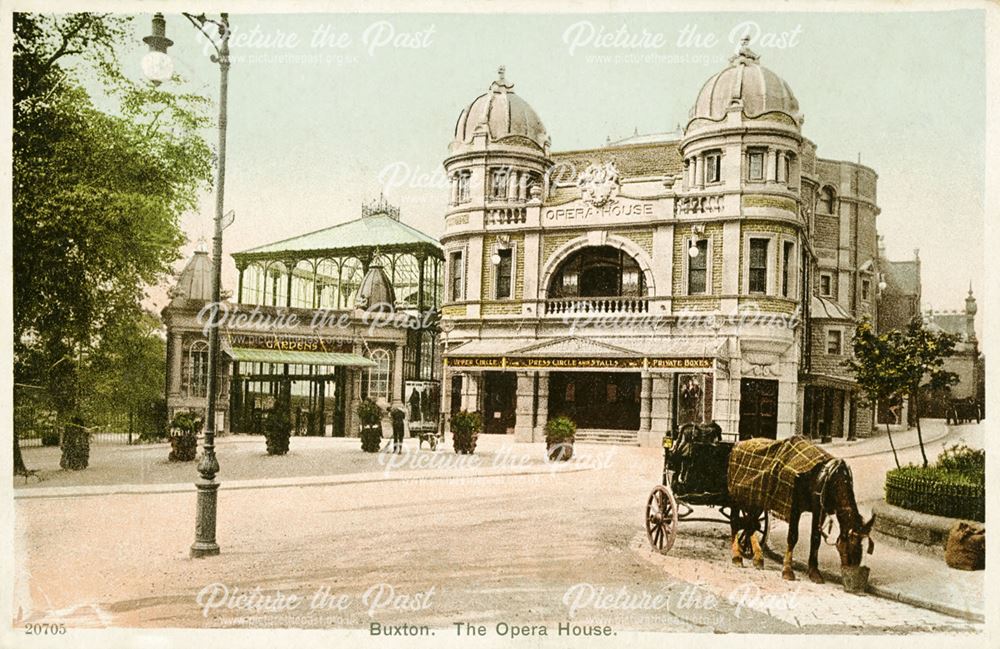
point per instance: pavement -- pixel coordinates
(505, 540)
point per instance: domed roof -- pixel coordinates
(761, 90)
(195, 282)
(376, 292)
(500, 113)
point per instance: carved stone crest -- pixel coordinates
(599, 183)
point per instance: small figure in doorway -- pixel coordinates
(398, 429)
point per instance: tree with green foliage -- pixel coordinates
(896, 364)
(921, 364)
(875, 369)
(97, 193)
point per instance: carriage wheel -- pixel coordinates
(761, 526)
(661, 519)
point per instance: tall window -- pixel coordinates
(498, 182)
(827, 199)
(456, 270)
(755, 160)
(698, 269)
(758, 266)
(377, 381)
(504, 271)
(787, 269)
(834, 342)
(713, 167)
(463, 187)
(826, 284)
(197, 374)
(866, 289)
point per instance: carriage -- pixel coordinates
(695, 464)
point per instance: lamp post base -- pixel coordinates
(204, 544)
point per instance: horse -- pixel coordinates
(825, 491)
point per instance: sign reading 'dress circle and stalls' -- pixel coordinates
(633, 363)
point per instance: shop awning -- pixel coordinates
(340, 359)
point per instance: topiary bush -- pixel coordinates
(370, 415)
(954, 487)
(184, 430)
(560, 433)
(278, 423)
(465, 428)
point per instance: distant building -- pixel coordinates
(967, 361)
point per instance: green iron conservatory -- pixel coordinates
(332, 317)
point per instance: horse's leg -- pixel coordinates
(814, 539)
(734, 530)
(758, 553)
(793, 538)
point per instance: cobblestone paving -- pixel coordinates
(704, 560)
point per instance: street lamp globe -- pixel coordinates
(692, 250)
(157, 66)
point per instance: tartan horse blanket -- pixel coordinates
(762, 472)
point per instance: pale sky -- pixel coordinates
(316, 128)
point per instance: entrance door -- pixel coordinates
(499, 400)
(758, 408)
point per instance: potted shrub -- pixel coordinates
(184, 431)
(560, 433)
(371, 425)
(465, 427)
(278, 424)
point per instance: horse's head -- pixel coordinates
(851, 539)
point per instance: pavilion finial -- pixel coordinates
(502, 73)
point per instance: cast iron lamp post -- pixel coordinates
(158, 67)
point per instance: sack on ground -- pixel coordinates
(965, 548)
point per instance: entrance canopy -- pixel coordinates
(341, 359)
(576, 353)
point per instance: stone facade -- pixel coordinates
(678, 270)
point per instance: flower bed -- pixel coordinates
(937, 491)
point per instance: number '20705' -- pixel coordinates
(45, 629)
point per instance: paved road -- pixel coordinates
(528, 550)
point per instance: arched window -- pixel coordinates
(377, 381)
(197, 369)
(827, 199)
(598, 271)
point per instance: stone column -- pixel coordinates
(445, 400)
(542, 408)
(176, 363)
(396, 391)
(645, 407)
(769, 170)
(524, 410)
(522, 192)
(699, 171)
(454, 189)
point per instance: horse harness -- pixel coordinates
(828, 470)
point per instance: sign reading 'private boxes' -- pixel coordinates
(570, 363)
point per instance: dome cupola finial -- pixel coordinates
(745, 54)
(501, 85)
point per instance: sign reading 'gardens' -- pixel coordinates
(516, 362)
(289, 343)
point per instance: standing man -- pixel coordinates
(398, 419)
